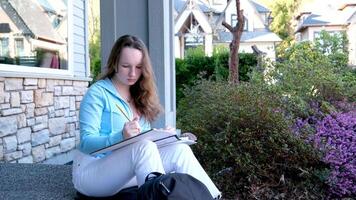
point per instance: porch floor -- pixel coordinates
(36, 181)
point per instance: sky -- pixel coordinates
(315, 5)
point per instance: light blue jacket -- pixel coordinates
(101, 122)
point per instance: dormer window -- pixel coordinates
(5, 28)
(234, 21)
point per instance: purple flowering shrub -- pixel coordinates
(336, 137)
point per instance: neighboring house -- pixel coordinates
(32, 36)
(351, 31)
(44, 73)
(333, 17)
(256, 31)
(192, 27)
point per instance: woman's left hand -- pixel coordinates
(169, 128)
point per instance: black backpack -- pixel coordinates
(173, 186)
(124, 194)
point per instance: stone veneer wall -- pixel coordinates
(38, 118)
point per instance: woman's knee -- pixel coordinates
(184, 149)
(146, 145)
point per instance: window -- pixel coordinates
(298, 37)
(331, 33)
(19, 47)
(234, 20)
(330, 41)
(4, 47)
(40, 43)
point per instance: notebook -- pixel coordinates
(160, 136)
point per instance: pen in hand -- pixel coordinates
(132, 127)
(123, 112)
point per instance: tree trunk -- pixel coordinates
(233, 62)
(235, 44)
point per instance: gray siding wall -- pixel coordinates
(121, 17)
(79, 38)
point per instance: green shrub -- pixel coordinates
(308, 75)
(349, 80)
(334, 47)
(95, 57)
(196, 64)
(245, 142)
(195, 52)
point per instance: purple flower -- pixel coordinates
(336, 136)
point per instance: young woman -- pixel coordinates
(129, 84)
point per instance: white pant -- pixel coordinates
(130, 165)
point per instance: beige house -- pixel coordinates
(256, 31)
(33, 34)
(192, 28)
(330, 16)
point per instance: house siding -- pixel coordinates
(80, 46)
(314, 18)
(351, 33)
(39, 112)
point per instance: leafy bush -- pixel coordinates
(95, 64)
(95, 58)
(7, 60)
(245, 142)
(349, 80)
(196, 64)
(334, 47)
(307, 75)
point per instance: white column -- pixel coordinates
(208, 44)
(177, 47)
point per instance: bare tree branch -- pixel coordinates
(227, 26)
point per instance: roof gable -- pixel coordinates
(179, 5)
(325, 16)
(36, 20)
(191, 8)
(260, 8)
(250, 12)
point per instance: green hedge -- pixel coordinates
(216, 67)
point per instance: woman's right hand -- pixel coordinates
(131, 128)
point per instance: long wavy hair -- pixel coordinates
(144, 91)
